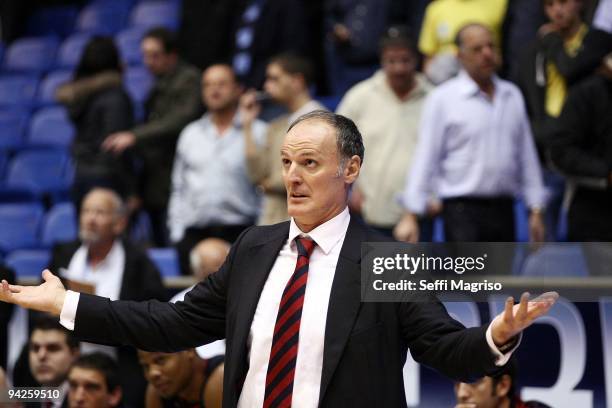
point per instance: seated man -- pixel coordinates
(52, 350)
(94, 382)
(182, 379)
(498, 391)
(108, 265)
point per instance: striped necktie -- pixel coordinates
(283, 356)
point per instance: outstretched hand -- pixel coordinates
(46, 297)
(516, 318)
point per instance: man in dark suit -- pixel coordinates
(115, 268)
(346, 353)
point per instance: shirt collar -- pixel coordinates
(326, 235)
(207, 120)
(468, 87)
(110, 257)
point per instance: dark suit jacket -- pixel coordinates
(365, 343)
(141, 279)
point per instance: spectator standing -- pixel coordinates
(99, 106)
(288, 80)
(475, 152)
(442, 21)
(172, 103)
(212, 195)
(387, 108)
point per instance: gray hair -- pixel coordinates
(119, 207)
(348, 138)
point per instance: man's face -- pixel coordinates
(478, 54)
(50, 357)
(100, 222)
(399, 65)
(480, 394)
(279, 84)
(88, 389)
(155, 57)
(563, 13)
(168, 373)
(220, 90)
(316, 189)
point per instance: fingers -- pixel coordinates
(521, 313)
(47, 275)
(508, 309)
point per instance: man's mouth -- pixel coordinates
(298, 195)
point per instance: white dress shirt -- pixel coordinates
(473, 146)
(329, 238)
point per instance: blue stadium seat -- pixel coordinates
(51, 127)
(57, 20)
(71, 49)
(103, 17)
(39, 172)
(59, 224)
(46, 90)
(17, 91)
(138, 82)
(166, 261)
(31, 54)
(13, 124)
(28, 263)
(19, 225)
(151, 14)
(128, 42)
(556, 260)
(330, 102)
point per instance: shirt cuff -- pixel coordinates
(500, 358)
(69, 309)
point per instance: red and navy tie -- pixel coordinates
(281, 366)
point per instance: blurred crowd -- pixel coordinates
(471, 111)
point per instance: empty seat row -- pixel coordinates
(48, 127)
(42, 53)
(33, 175)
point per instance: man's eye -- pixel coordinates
(286, 162)
(310, 163)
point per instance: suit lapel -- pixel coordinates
(344, 302)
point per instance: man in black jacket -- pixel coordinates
(112, 267)
(351, 352)
(583, 151)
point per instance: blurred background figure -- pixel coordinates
(582, 150)
(206, 258)
(288, 81)
(6, 312)
(93, 382)
(173, 102)
(98, 106)
(473, 157)
(498, 391)
(51, 350)
(212, 195)
(104, 263)
(182, 379)
(387, 110)
(442, 21)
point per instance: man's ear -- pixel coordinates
(351, 169)
(115, 397)
(503, 386)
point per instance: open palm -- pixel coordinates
(46, 297)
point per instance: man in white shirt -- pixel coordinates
(211, 193)
(475, 152)
(346, 352)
